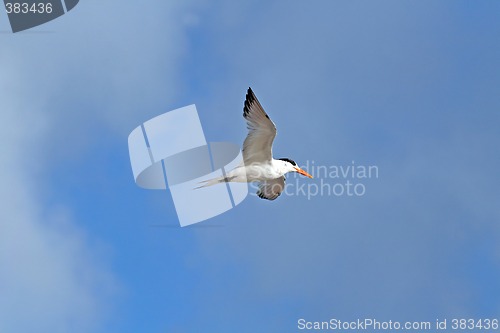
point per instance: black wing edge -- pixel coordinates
(262, 196)
(250, 99)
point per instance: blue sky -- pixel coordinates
(409, 86)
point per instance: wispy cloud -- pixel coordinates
(94, 68)
(50, 278)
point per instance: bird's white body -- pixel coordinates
(256, 172)
(258, 164)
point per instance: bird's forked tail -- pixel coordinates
(218, 180)
(210, 182)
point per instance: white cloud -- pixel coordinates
(99, 64)
(50, 280)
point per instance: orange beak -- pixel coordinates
(302, 172)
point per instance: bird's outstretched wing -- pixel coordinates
(271, 189)
(257, 147)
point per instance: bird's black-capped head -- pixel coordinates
(294, 167)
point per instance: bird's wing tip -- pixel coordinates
(250, 92)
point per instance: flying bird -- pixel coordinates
(258, 164)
